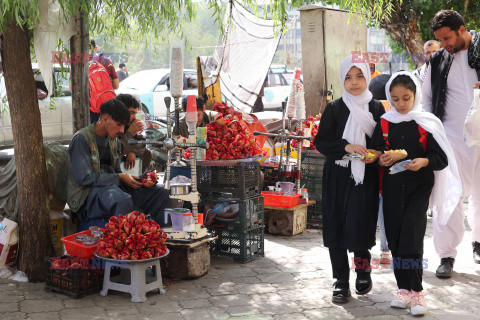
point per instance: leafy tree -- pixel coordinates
(408, 21)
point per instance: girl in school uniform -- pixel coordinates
(350, 186)
(406, 194)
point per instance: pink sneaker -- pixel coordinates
(401, 300)
(418, 307)
(385, 258)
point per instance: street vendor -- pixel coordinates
(133, 151)
(203, 117)
(97, 188)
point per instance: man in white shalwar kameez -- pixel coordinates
(448, 93)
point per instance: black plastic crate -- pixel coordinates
(312, 164)
(243, 246)
(75, 283)
(314, 186)
(241, 180)
(250, 215)
(314, 216)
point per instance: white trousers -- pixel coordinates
(448, 238)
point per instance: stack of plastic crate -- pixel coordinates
(312, 176)
(242, 237)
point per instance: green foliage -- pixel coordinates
(382, 11)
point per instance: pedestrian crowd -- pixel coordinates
(415, 156)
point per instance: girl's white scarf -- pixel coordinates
(448, 187)
(360, 121)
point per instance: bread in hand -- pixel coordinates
(397, 154)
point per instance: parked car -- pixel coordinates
(277, 87)
(55, 110)
(152, 86)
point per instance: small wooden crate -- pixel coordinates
(287, 221)
(186, 260)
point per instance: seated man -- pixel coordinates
(98, 189)
(133, 151)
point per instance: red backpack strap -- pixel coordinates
(423, 137)
(384, 124)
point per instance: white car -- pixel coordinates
(277, 87)
(152, 86)
(55, 110)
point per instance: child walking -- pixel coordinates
(406, 194)
(350, 187)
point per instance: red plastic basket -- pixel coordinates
(76, 249)
(283, 201)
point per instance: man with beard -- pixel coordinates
(429, 48)
(133, 151)
(448, 93)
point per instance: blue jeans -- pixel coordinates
(381, 223)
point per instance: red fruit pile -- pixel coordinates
(150, 179)
(309, 122)
(132, 237)
(230, 139)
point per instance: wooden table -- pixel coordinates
(287, 221)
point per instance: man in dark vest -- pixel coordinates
(448, 93)
(97, 188)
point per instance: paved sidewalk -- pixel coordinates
(293, 281)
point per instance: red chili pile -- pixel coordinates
(132, 237)
(229, 139)
(310, 120)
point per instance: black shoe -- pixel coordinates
(476, 252)
(446, 268)
(341, 291)
(363, 284)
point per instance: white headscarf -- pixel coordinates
(448, 187)
(360, 121)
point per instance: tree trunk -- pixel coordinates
(35, 243)
(79, 44)
(404, 30)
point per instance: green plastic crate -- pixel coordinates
(312, 164)
(250, 215)
(243, 246)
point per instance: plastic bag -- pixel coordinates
(471, 130)
(398, 167)
(8, 243)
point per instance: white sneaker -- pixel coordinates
(401, 300)
(418, 307)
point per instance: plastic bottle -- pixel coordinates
(188, 222)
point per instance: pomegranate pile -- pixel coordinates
(310, 122)
(230, 139)
(132, 237)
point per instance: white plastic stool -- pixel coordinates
(138, 286)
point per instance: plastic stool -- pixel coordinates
(138, 286)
